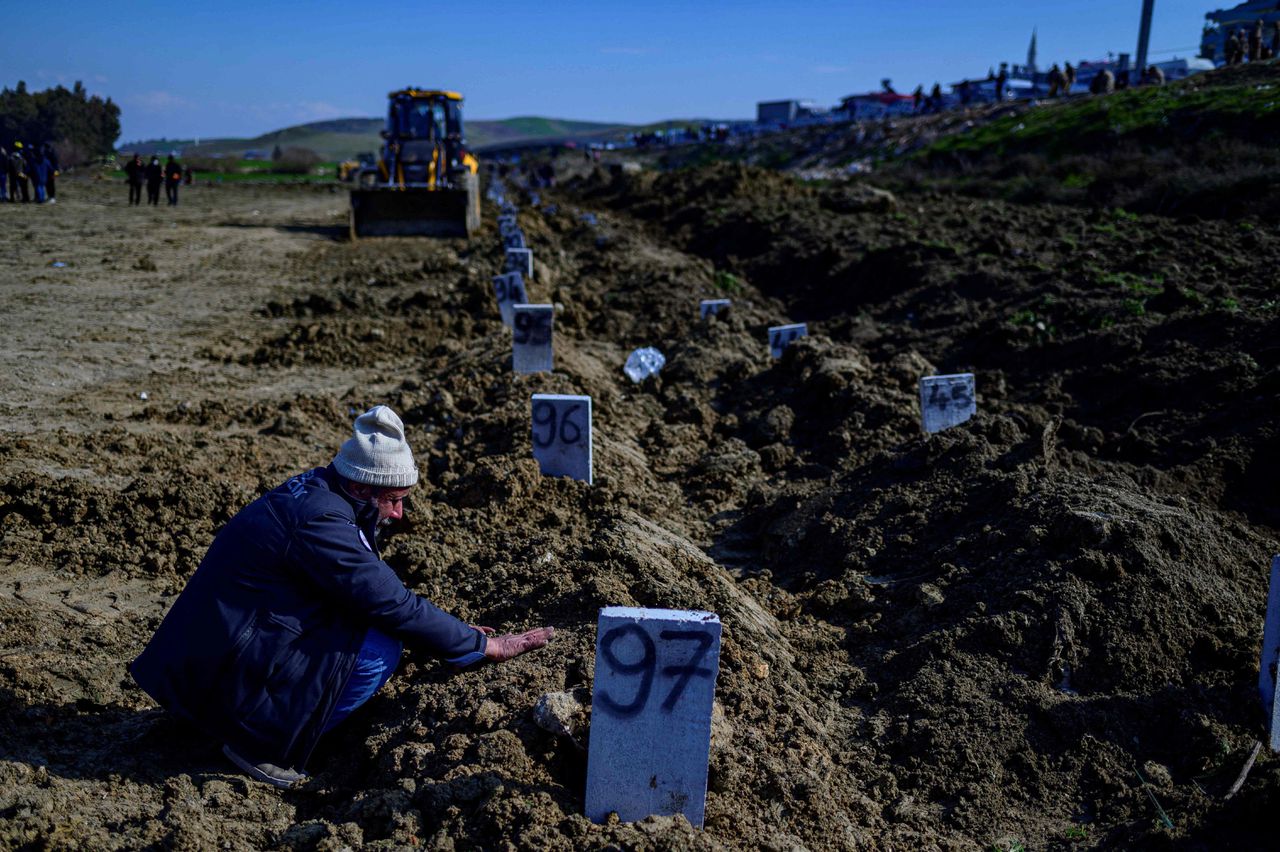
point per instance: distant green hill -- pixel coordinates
(341, 138)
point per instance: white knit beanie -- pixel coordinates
(377, 454)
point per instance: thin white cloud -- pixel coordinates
(155, 101)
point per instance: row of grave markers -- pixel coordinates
(656, 669)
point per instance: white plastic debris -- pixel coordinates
(643, 363)
(142, 395)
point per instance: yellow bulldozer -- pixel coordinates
(425, 181)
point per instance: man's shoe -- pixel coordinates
(268, 772)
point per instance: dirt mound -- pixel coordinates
(1030, 629)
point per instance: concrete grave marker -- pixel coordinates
(531, 338)
(781, 336)
(655, 681)
(514, 239)
(506, 221)
(520, 260)
(509, 288)
(1268, 683)
(711, 307)
(947, 401)
(562, 435)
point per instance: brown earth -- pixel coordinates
(1027, 630)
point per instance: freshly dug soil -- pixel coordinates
(1040, 627)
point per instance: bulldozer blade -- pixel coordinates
(387, 212)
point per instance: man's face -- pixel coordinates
(391, 504)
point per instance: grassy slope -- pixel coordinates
(1242, 103)
(342, 138)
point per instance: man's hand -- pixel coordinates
(503, 648)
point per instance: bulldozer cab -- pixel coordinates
(425, 143)
(424, 116)
(425, 181)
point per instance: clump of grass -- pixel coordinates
(727, 282)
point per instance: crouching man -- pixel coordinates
(292, 620)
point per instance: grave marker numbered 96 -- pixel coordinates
(531, 328)
(509, 289)
(520, 260)
(711, 307)
(782, 336)
(562, 435)
(651, 703)
(947, 401)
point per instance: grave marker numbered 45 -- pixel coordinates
(782, 336)
(947, 401)
(531, 328)
(520, 260)
(509, 289)
(651, 703)
(711, 307)
(562, 435)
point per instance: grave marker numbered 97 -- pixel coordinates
(782, 336)
(947, 401)
(711, 307)
(509, 288)
(562, 435)
(651, 702)
(520, 260)
(531, 328)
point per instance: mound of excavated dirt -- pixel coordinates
(1026, 630)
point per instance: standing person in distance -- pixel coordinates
(40, 170)
(18, 184)
(155, 177)
(135, 172)
(172, 180)
(51, 154)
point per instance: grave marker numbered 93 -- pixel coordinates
(531, 328)
(651, 702)
(562, 435)
(947, 401)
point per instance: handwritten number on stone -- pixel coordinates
(566, 424)
(522, 331)
(644, 667)
(544, 414)
(682, 674)
(936, 399)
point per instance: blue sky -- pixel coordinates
(235, 68)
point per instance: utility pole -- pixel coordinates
(1144, 37)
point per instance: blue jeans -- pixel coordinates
(377, 660)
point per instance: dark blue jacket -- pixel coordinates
(259, 645)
